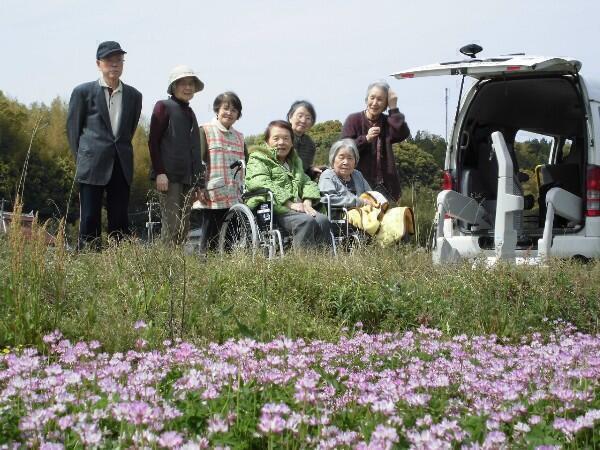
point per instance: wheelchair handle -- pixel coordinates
(238, 163)
(256, 193)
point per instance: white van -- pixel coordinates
(491, 207)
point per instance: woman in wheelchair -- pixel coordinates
(343, 183)
(345, 187)
(277, 167)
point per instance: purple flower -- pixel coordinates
(170, 439)
(271, 424)
(53, 337)
(216, 424)
(139, 325)
(494, 439)
(51, 446)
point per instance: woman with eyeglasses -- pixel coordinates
(302, 117)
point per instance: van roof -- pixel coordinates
(506, 65)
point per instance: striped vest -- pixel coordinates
(224, 148)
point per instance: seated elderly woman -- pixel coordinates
(343, 183)
(277, 167)
(346, 187)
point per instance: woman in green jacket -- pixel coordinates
(277, 167)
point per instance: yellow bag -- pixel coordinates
(377, 198)
(387, 225)
(365, 218)
(395, 225)
(368, 217)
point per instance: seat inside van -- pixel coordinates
(550, 106)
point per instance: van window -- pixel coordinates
(532, 149)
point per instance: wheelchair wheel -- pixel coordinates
(239, 230)
(353, 242)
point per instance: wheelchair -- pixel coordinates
(254, 231)
(245, 230)
(257, 231)
(346, 237)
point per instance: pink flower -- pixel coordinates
(53, 337)
(216, 424)
(51, 446)
(170, 439)
(139, 325)
(271, 424)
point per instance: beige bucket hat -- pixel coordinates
(182, 71)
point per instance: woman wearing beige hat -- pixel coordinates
(174, 144)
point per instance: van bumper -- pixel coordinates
(456, 248)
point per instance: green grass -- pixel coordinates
(101, 295)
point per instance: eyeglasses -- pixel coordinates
(306, 117)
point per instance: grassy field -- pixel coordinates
(156, 353)
(99, 296)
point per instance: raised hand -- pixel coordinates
(392, 99)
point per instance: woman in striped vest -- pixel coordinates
(220, 146)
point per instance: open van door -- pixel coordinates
(495, 67)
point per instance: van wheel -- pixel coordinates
(580, 259)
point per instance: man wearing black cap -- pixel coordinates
(103, 115)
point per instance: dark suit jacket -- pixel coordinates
(90, 134)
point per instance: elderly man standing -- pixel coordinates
(102, 119)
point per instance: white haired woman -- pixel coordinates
(342, 182)
(347, 187)
(374, 133)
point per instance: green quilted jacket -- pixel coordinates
(264, 171)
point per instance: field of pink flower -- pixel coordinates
(418, 389)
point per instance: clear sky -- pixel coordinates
(273, 52)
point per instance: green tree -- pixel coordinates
(254, 139)
(416, 167)
(324, 134)
(533, 152)
(55, 134)
(13, 116)
(433, 144)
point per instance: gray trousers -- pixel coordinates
(307, 231)
(175, 205)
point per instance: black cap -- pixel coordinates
(108, 48)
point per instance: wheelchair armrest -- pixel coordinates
(256, 193)
(328, 204)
